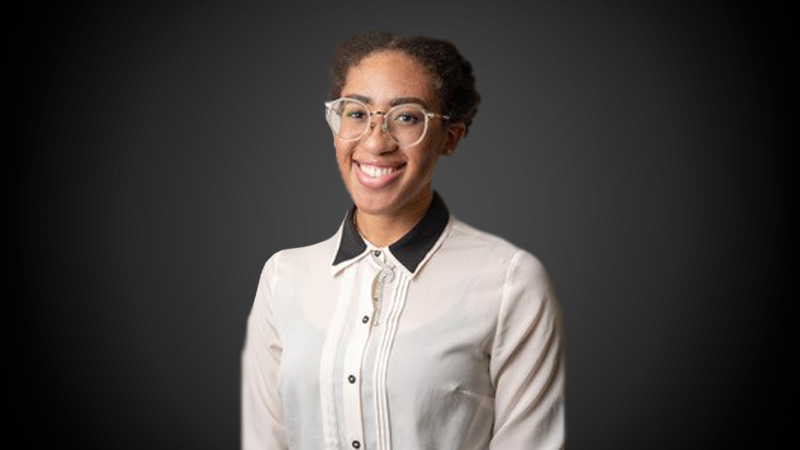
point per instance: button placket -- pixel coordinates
(358, 339)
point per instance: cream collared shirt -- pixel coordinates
(450, 338)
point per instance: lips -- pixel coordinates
(377, 175)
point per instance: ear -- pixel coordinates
(455, 131)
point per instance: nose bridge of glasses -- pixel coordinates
(383, 128)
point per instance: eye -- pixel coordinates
(407, 115)
(355, 115)
(410, 119)
(354, 112)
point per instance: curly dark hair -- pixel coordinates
(451, 73)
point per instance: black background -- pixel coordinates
(168, 152)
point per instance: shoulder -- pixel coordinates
(517, 266)
(307, 258)
(472, 239)
(490, 248)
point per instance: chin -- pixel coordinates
(375, 203)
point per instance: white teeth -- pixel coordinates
(376, 172)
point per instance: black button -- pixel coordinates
(351, 379)
(365, 319)
(377, 253)
(356, 444)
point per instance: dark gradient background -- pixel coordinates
(168, 152)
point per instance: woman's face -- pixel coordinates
(382, 177)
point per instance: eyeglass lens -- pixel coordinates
(350, 120)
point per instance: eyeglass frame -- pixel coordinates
(384, 127)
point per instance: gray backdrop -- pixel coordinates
(168, 152)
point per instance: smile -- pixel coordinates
(373, 176)
(376, 172)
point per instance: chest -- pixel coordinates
(423, 338)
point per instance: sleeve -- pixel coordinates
(526, 364)
(262, 413)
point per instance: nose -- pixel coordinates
(377, 139)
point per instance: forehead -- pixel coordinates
(387, 75)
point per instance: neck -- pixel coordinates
(384, 230)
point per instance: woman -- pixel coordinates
(407, 329)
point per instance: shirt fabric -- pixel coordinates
(450, 338)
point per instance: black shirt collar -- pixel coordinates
(410, 249)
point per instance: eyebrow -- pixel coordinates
(392, 102)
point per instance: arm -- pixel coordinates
(526, 364)
(262, 413)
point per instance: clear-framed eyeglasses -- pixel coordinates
(405, 124)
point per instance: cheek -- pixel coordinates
(426, 163)
(427, 158)
(343, 152)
